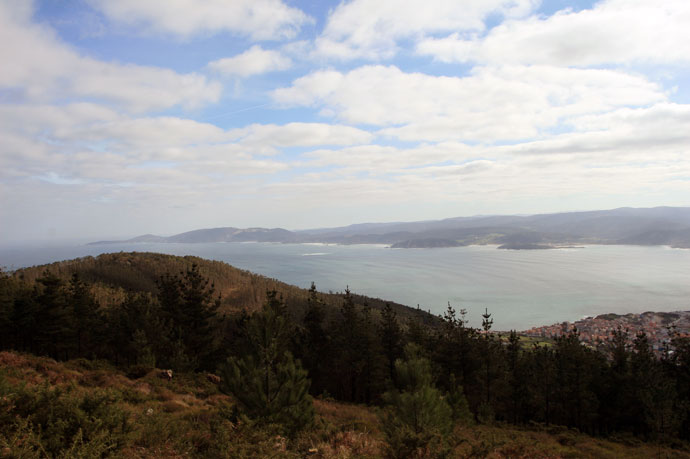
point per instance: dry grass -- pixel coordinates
(346, 416)
(510, 442)
(347, 431)
(350, 444)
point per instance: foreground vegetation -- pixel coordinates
(304, 375)
(86, 408)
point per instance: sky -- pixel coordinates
(125, 117)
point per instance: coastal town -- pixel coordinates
(659, 327)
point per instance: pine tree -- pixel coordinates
(53, 320)
(543, 369)
(24, 321)
(170, 298)
(189, 303)
(139, 313)
(391, 338)
(456, 351)
(618, 400)
(678, 367)
(6, 306)
(655, 412)
(417, 419)
(458, 403)
(576, 366)
(144, 353)
(315, 341)
(86, 316)
(486, 412)
(517, 378)
(416, 332)
(269, 384)
(349, 342)
(373, 364)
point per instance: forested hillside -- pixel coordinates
(428, 382)
(110, 276)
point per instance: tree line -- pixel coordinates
(274, 359)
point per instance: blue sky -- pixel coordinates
(122, 117)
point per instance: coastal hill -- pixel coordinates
(113, 275)
(627, 226)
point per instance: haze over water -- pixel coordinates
(520, 288)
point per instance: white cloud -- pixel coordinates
(371, 29)
(656, 133)
(303, 134)
(256, 19)
(382, 160)
(254, 61)
(145, 133)
(491, 104)
(86, 143)
(35, 120)
(41, 68)
(135, 136)
(509, 184)
(613, 32)
(627, 152)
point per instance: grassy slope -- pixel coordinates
(188, 417)
(116, 273)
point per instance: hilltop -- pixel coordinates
(112, 275)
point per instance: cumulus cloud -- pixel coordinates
(254, 61)
(491, 104)
(42, 68)
(371, 29)
(612, 32)
(83, 143)
(634, 138)
(256, 19)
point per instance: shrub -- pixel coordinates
(63, 420)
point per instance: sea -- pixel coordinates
(519, 288)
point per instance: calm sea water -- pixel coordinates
(520, 288)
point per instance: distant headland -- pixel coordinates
(624, 226)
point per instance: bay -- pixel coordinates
(520, 289)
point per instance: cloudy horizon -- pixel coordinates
(123, 117)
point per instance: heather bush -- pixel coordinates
(59, 420)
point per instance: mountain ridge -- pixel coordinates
(622, 226)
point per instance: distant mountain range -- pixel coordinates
(652, 226)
